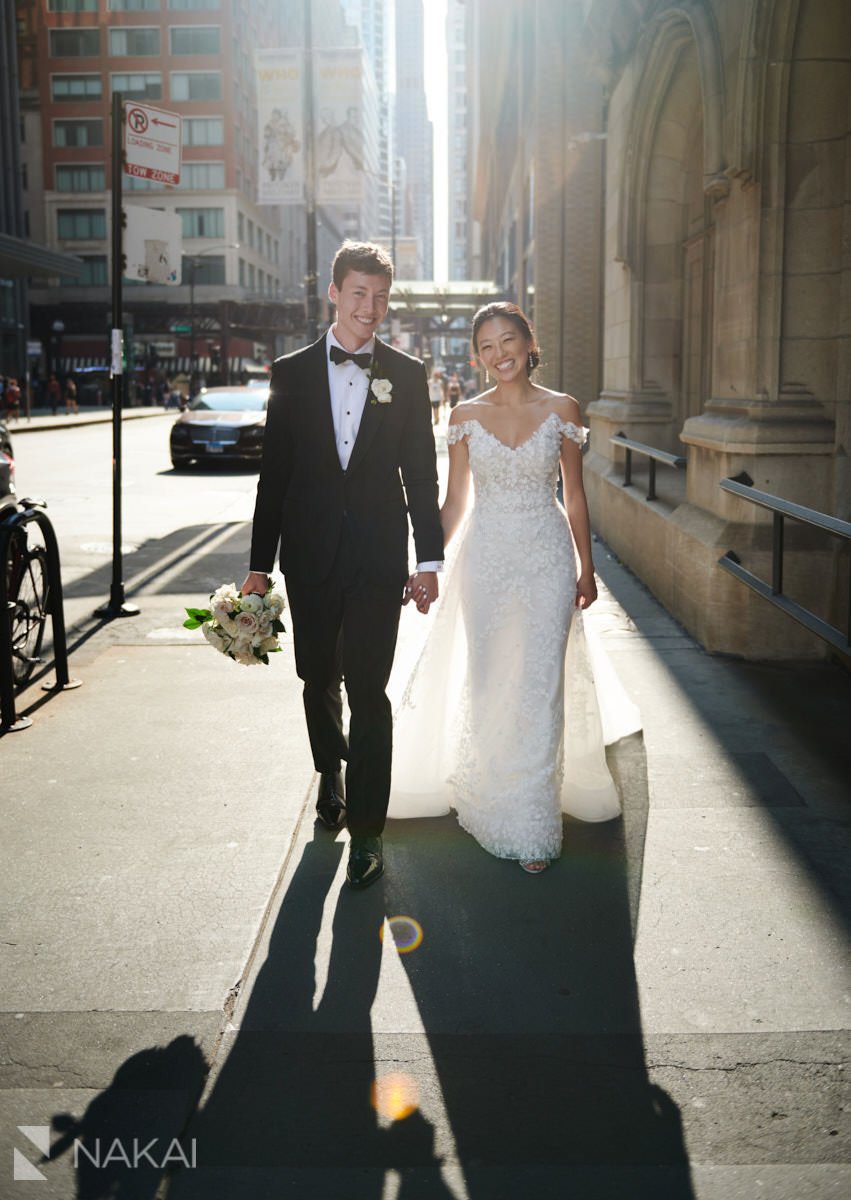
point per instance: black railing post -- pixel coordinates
(56, 604)
(7, 678)
(777, 555)
(651, 490)
(9, 722)
(627, 468)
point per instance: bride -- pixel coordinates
(500, 719)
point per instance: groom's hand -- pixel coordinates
(422, 589)
(255, 581)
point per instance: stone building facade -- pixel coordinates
(688, 228)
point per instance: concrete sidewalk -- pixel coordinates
(42, 419)
(661, 1014)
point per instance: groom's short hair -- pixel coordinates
(361, 256)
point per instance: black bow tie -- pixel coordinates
(338, 355)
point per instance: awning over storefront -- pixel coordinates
(20, 259)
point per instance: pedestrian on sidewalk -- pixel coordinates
(436, 395)
(453, 389)
(348, 426)
(71, 398)
(54, 394)
(12, 399)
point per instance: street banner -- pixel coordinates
(152, 140)
(280, 76)
(153, 244)
(342, 115)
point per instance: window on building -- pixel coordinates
(203, 131)
(72, 5)
(202, 176)
(94, 274)
(251, 233)
(240, 227)
(81, 224)
(133, 5)
(203, 222)
(144, 86)
(196, 85)
(195, 39)
(209, 268)
(78, 132)
(135, 183)
(76, 87)
(80, 177)
(74, 43)
(134, 42)
(194, 5)
(251, 281)
(242, 272)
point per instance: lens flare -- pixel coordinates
(395, 1096)
(407, 934)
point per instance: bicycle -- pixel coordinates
(27, 591)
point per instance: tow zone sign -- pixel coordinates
(152, 140)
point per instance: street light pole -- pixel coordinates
(193, 363)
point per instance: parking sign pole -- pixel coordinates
(117, 606)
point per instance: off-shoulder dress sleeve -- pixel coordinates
(454, 433)
(576, 433)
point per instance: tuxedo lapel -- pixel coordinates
(372, 412)
(318, 398)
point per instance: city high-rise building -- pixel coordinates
(414, 137)
(458, 218)
(193, 57)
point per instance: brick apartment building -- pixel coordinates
(194, 57)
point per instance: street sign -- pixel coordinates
(152, 140)
(152, 245)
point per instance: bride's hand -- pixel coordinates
(586, 589)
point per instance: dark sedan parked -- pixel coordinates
(221, 423)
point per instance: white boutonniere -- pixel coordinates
(381, 388)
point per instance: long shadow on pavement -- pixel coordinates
(526, 1050)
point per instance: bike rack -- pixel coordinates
(30, 514)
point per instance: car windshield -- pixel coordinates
(249, 401)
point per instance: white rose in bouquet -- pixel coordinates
(224, 600)
(215, 638)
(246, 624)
(251, 603)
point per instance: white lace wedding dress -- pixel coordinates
(500, 719)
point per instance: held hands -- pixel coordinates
(422, 589)
(586, 589)
(255, 581)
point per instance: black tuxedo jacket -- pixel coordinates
(304, 495)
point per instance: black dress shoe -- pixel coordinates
(330, 801)
(366, 862)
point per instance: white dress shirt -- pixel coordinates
(348, 384)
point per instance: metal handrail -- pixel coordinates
(28, 513)
(742, 486)
(652, 454)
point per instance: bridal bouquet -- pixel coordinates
(245, 628)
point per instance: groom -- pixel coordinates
(348, 425)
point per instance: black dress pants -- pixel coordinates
(345, 629)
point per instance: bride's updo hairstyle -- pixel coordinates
(516, 315)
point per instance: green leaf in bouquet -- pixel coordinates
(191, 623)
(278, 627)
(200, 614)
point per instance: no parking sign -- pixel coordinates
(152, 139)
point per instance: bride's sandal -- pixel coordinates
(535, 867)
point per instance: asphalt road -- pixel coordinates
(72, 470)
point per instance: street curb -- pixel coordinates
(101, 419)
